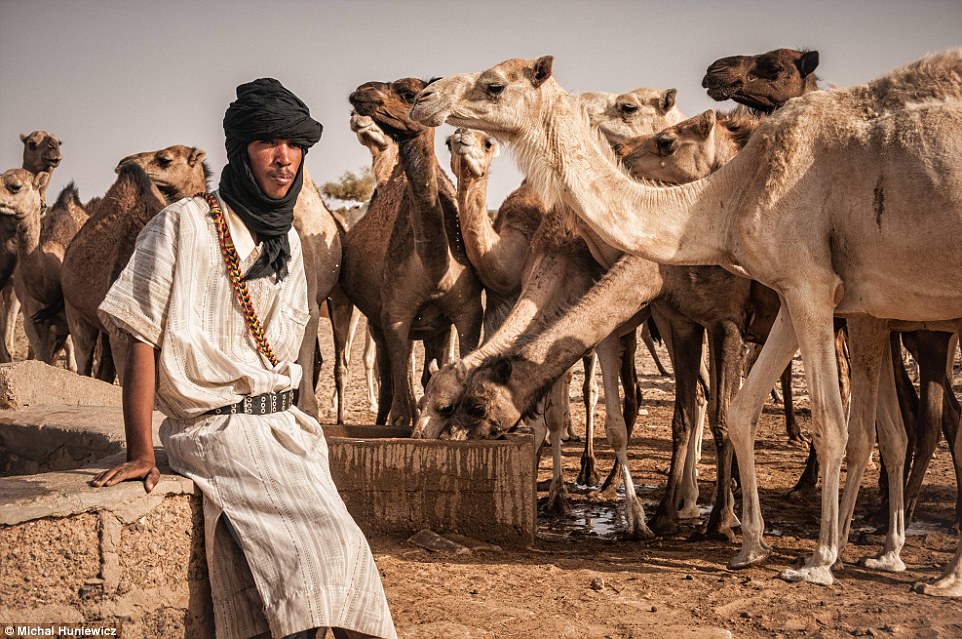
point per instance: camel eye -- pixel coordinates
(445, 410)
(487, 145)
(629, 109)
(164, 161)
(14, 187)
(495, 89)
(475, 410)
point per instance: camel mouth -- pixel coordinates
(54, 162)
(428, 114)
(720, 93)
(8, 211)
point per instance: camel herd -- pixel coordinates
(819, 220)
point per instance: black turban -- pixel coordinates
(264, 110)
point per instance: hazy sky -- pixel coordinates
(112, 78)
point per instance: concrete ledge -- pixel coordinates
(32, 382)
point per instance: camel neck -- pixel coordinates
(421, 168)
(383, 161)
(681, 225)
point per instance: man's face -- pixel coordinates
(274, 164)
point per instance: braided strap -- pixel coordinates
(232, 261)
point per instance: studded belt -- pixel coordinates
(263, 404)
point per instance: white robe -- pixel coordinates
(308, 564)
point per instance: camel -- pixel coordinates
(793, 210)
(504, 249)
(550, 263)
(41, 154)
(146, 183)
(41, 248)
(766, 82)
(763, 82)
(20, 194)
(413, 281)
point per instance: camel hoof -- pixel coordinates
(721, 533)
(945, 587)
(888, 562)
(664, 527)
(588, 476)
(557, 502)
(802, 494)
(821, 575)
(747, 559)
(639, 533)
(691, 511)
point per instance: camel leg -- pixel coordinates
(609, 353)
(650, 345)
(811, 309)
(950, 583)
(588, 474)
(930, 350)
(557, 492)
(726, 345)
(892, 445)
(792, 428)
(632, 399)
(386, 388)
(398, 347)
(743, 424)
(344, 320)
(371, 370)
(688, 492)
(565, 407)
(685, 350)
(8, 317)
(866, 337)
(589, 393)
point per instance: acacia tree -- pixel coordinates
(353, 189)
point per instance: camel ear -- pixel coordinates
(667, 100)
(542, 70)
(461, 370)
(433, 367)
(23, 137)
(196, 155)
(705, 123)
(501, 368)
(808, 63)
(40, 180)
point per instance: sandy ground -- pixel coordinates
(580, 579)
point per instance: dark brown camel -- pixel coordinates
(404, 262)
(762, 82)
(146, 183)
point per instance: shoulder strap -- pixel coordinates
(232, 261)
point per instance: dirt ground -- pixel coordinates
(581, 580)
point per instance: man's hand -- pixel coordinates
(144, 469)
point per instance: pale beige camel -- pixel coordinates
(404, 261)
(766, 82)
(21, 199)
(41, 154)
(42, 244)
(880, 148)
(146, 183)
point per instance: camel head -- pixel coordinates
(486, 409)
(690, 150)
(178, 171)
(501, 101)
(20, 194)
(471, 152)
(388, 104)
(639, 112)
(763, 82)
(369, 134)
(440, 399)
(41, 152)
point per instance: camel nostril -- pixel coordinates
(426, 94)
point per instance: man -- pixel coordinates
(284, 555)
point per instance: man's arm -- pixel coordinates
(140, 378)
